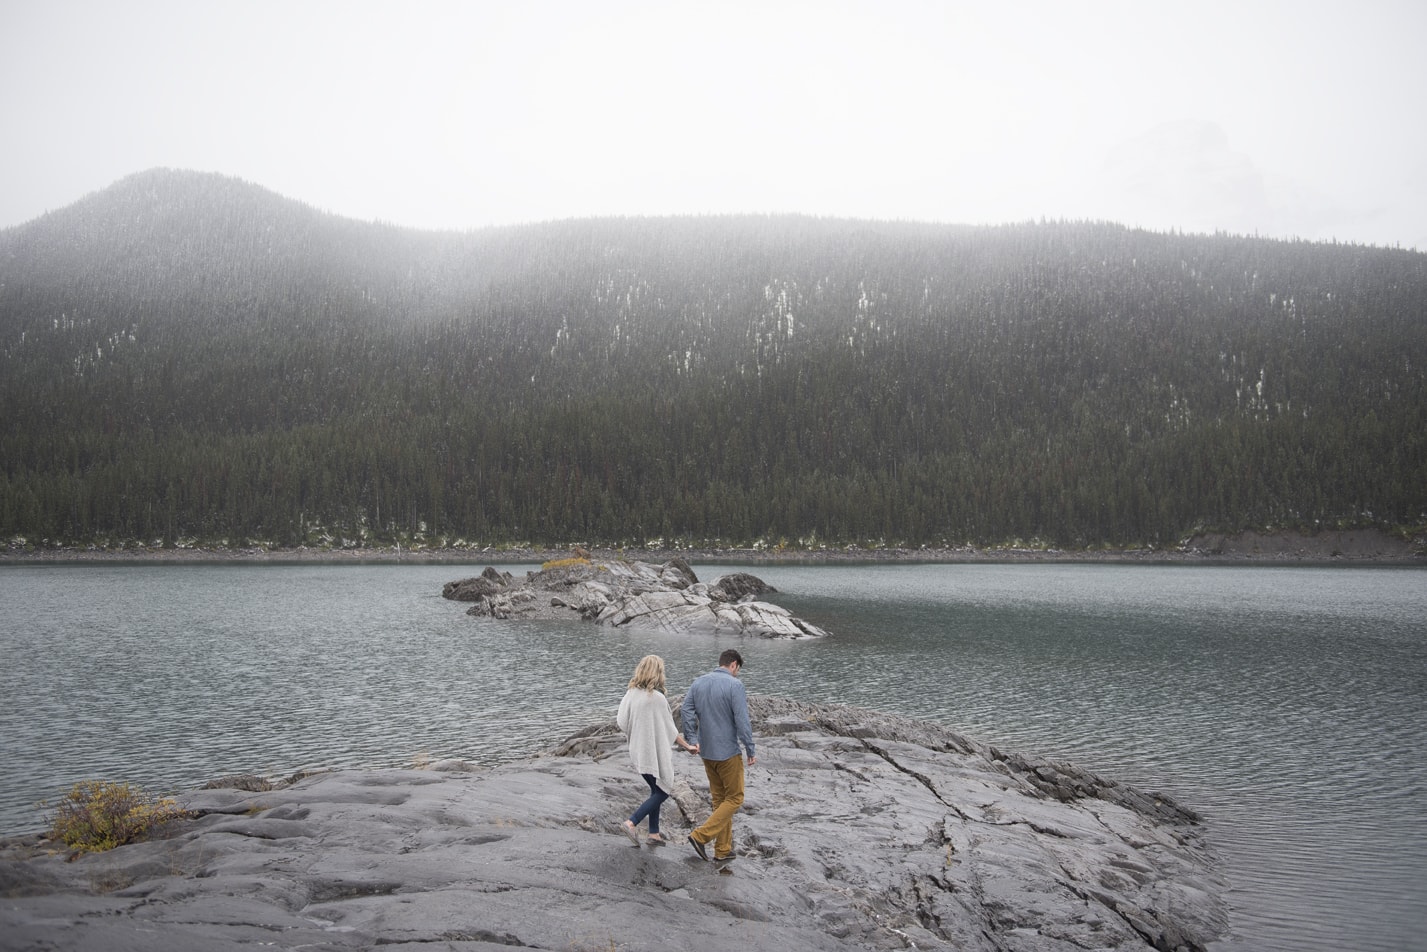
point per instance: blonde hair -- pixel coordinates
(649, 674)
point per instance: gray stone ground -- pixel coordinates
(861, 830)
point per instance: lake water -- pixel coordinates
(1286, 704)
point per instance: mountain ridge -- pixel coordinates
(727, 378)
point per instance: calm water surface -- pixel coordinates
(1288, 705)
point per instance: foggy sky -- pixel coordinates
(1284, 119)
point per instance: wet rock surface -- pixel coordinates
(616, 592)
(861, 830)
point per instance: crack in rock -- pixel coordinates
(919, 777)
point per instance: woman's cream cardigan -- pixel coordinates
(645, 718)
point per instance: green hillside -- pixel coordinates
(185, 356)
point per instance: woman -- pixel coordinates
(645, 718)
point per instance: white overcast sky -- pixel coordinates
(1284, 118)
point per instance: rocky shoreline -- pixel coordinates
(861, 830)
(1328, 547)
(620, 592)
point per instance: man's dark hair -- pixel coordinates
(728, 657)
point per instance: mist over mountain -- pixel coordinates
(188, 356)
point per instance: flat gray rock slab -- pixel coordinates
(860, 830)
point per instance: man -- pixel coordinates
(715, 715)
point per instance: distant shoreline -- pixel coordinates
(1335, 547)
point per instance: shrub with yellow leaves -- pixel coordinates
(563, 563)
(97, 815)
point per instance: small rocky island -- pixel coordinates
(861, 830)
(616, 592)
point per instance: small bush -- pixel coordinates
(564, 563)
(97, 816)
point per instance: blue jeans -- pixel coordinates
(650, 808)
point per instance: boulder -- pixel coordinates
(488, 583)
(861, 830)
(617, 592)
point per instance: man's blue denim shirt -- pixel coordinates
(715, 715)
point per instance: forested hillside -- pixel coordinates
(185, 356)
